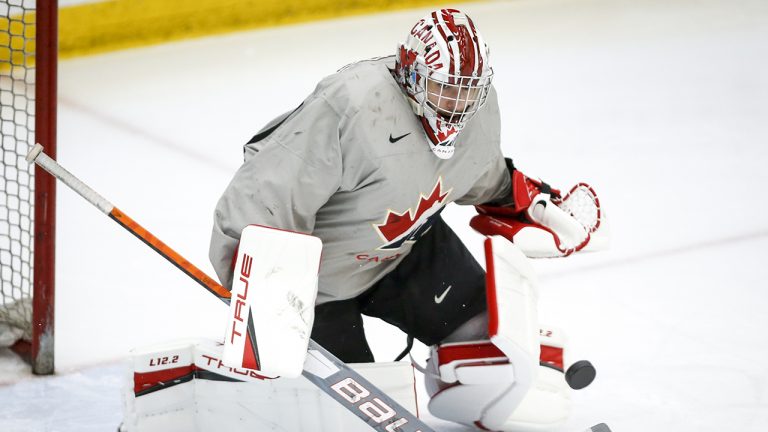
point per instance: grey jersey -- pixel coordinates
(352, 166)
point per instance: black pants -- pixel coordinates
(434, 290)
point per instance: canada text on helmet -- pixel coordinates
(443, 67)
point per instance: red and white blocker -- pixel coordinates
(273, 297)
(514, 380)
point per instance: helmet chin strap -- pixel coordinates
(415, 106)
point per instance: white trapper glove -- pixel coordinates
(540, 220)
(545, 213)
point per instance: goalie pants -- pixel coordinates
(434, 290)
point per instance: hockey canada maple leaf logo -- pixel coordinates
(410, 225)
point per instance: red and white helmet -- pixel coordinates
(443, 67)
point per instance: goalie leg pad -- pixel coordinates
(512, 293)
(548, 403)
(499, 384)
(471, 383)
(474, 383)
(494, 375)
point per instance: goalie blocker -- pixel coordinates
(273, 301)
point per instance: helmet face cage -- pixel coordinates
(444, 69)
(453, 99)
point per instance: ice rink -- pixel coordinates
(661, 105)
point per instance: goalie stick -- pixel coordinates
(322, 368)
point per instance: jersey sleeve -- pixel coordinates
(290, 171)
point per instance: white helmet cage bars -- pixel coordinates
(444, 67)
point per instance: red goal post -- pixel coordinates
(28, 70)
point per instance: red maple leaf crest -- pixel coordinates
(397, 224)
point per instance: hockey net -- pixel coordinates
(27, 116)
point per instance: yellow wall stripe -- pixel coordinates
(117, 24)
(17, 42)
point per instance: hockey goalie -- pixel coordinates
(499, 370)
(335, 213)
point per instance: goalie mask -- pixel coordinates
(443, 69)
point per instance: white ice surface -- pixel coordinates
(661, 104)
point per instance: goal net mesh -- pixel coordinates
(17, 123)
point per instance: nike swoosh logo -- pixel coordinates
(440, 299)
(394, 140)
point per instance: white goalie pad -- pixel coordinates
(512, 291)
(273, 298)
(547, 404)
(513, 320)
(468, 382)
(184, 387)
(466, 379)
(515, 381)
(493, 377)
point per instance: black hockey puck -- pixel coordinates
(580, 374)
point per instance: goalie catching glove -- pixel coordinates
(541, 221)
